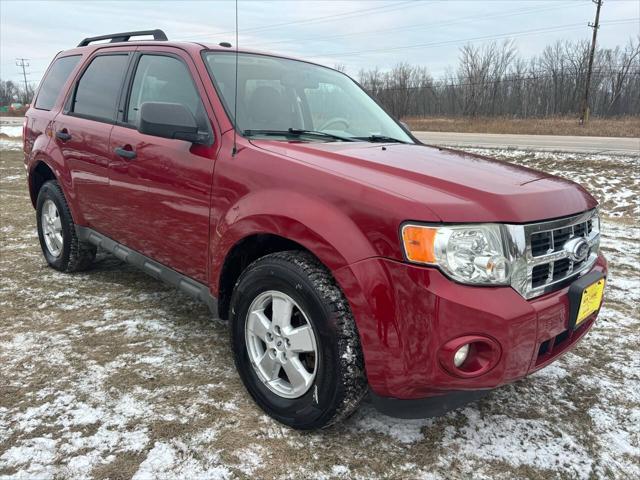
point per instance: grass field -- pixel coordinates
(109, 374)
(597, 127)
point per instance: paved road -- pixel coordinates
(628, 146)
(11, 120)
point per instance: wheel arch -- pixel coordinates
(46, 167)
(40, 173)
(244, 252)
(274, 220)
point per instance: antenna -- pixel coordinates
(235, 96)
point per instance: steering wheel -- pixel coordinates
(331, 121)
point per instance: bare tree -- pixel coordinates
(493, 80)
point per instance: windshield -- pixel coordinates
(282, 97)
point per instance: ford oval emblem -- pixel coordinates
(577, 249)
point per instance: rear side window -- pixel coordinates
(54, 81)
(98, 90)
(161, 78)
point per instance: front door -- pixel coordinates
(160, 188)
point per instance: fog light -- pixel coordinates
(469, 356)
(461, 355)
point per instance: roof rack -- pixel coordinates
(158, 35)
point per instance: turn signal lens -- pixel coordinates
(418, 243)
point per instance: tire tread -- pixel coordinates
(352, 386)
(81, 254)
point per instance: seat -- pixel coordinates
(268, 110)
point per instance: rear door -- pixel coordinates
(161, 188)
(82, 132)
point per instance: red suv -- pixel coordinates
(348, 257)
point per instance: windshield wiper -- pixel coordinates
(381, 139)
(296, 132)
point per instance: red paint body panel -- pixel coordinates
(456, 186)
(188, 205)
(406, 313)
(86, 157)
(166, 188)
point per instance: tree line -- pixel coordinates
(493, 80)
(14, 92)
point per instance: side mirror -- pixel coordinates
(169, 120)
(406, 127)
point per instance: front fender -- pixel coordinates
(315, 224)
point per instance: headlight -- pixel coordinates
(473, 254)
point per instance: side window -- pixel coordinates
(54, 81)
(160, 78)
(99, 88)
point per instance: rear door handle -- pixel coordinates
(63, 135)
(130, 154)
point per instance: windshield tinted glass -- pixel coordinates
(277, 94)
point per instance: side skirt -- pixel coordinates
(157, 270)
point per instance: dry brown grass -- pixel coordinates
(597, 127)
(110, 371)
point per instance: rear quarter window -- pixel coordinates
(54, 80)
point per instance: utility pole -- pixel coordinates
(24, 63)
(594, 26)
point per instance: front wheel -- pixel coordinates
(295, 343)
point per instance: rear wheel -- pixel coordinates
(57, 233)
(295, 342)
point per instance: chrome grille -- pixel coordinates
(544, 264)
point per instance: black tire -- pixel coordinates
(76, 255)
(340, 381)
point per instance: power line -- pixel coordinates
(421, 25)
(570, 26)
(325, 18)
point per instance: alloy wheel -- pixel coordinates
(52, 228)
(281, 344)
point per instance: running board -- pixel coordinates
(157, 270)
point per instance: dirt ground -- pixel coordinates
(110, 374)
(597, 127)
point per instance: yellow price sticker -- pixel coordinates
(590, 301)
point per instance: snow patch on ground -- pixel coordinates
(109, 373)
(174, 461)
(14, 131)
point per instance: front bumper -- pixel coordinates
(436, 406)
(406, 314)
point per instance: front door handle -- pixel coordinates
(122, 152)
(63, 135)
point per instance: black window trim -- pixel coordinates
(72, 94)
(62, 89)
(125, 96)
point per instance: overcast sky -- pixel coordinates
(358, 34)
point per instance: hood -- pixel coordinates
(456, 186)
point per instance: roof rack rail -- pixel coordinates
(158, 35)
